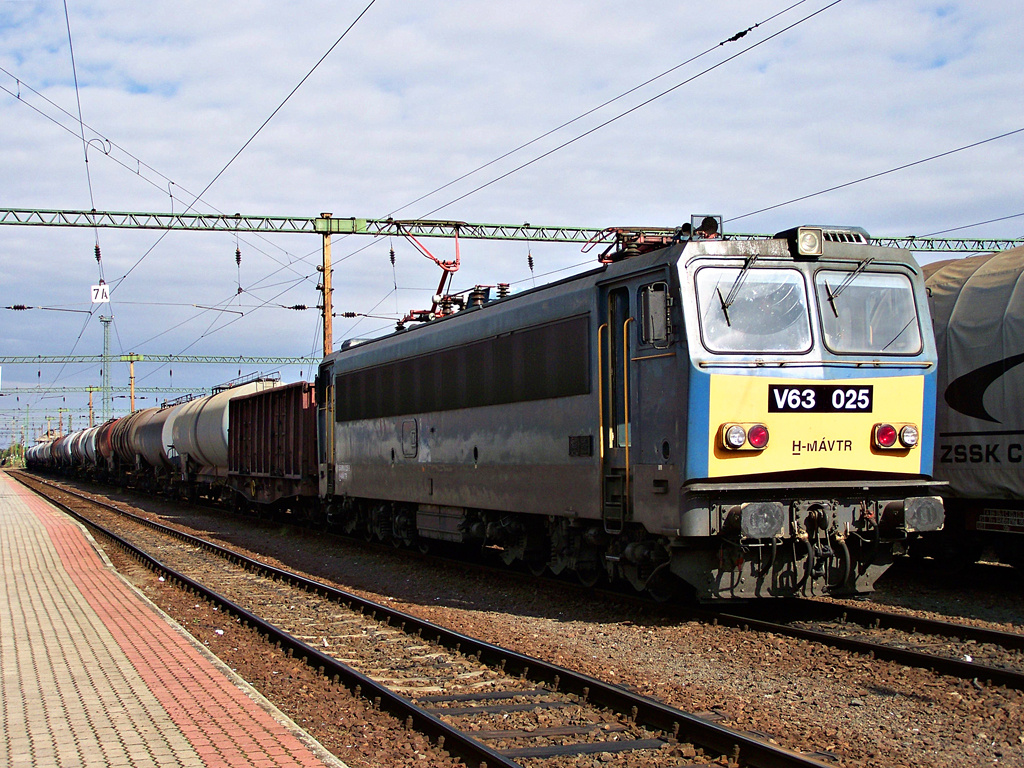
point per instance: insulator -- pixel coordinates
(529, 260)
(238, 256)
(297, 306)
(392, 257)
(97, 248)
(19, 306)
(347, 314)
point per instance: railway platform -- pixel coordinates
(93, 674)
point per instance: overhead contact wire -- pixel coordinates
(633, 109)
(879, 174)
(601, 106)
(258, 130)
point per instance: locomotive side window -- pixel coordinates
(867, 312)
(753, 310)
(531, 364)
(656, 326)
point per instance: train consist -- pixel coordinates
(977, 306)
(752, 418)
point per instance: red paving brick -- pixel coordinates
(95, 674)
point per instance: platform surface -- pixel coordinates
(93, 674)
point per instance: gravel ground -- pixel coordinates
(805, 697)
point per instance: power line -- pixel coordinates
(599, 107)
(106, 146)
(977, 224)
(81, 125)
(877, 175)
(247, 143)
(632, 109)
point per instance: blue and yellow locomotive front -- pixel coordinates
(810, 413)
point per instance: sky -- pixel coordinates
(189, 96)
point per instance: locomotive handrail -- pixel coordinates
(814, 364)
(625, 407)
(910, 482)
(652, 357)
(600, 393)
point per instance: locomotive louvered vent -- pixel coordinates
(836, 236)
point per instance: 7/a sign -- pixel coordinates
(100, 293)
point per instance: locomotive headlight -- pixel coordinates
(909, 436)
(808, 241)
(895, 437)
(735, 437)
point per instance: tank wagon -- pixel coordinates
(754, 418)
(182, 447)
(977, 306)
(199, 434)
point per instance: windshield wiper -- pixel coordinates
(902, 331)
(728, 300)
(844, 285)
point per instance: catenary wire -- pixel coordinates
(631, 110)
(599, 107)
(880, 173)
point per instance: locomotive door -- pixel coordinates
(616, 428)
(325, 431)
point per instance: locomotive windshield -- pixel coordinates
(867, 312)
(753, 310)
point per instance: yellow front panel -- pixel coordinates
(809, 440)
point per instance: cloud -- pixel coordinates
(419, 94)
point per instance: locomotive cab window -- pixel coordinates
(748, 310)
(657, 326)
(867, 312)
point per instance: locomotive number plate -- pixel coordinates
(819, 398)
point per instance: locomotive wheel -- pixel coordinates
(662, 587)
(537, 567)
(589, 573)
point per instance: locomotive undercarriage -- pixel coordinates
(562, 546)
(820, 558)
(806, 547)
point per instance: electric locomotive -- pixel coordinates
(753, 418)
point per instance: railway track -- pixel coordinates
(978, 654)
(481, 703)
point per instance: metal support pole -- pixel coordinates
(107, 394)
(131, 359)
(325, 286)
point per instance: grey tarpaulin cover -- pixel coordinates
(977, 306)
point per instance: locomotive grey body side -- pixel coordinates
(558, 426)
